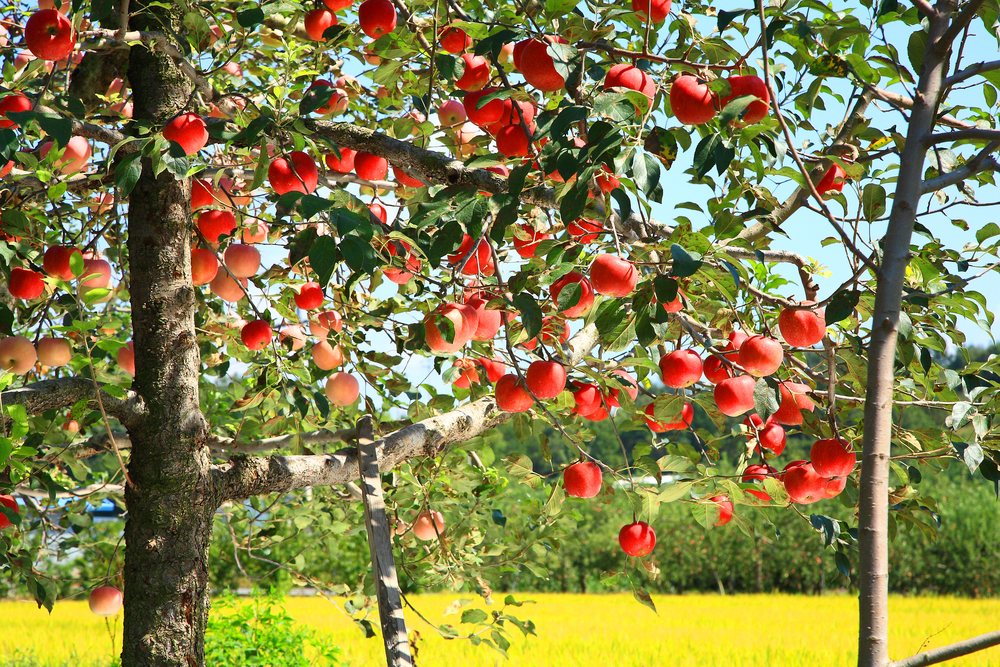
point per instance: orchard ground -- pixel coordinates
(687, 631)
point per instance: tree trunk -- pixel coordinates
(171, 504)
(873, 519)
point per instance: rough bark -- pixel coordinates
(873, 519)
(39, 397)
(171, 506)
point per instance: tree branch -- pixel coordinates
(971, 71)
(983, 161)
(905, 102)
(65, 392)
(943, 45)
(243, 477)
(950, 652)
(981, 133)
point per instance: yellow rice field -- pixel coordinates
(613, 630)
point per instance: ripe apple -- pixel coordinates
(202, 193)
(11, 504)
(627, 383)
(740, 86)
(293, 333)
(204, 266)
(256, 233)
(468, 376)
(716, 370)
(126, 358)
(545, 379)
(794, 399)
(833, 180)
(582, 480)
(761, 355)
(802, 483)
(768, 435)
(297, 173)
(405, 179)
(658, 9)
(586, 294)
(757, 473)
(370, 167)
(18, 102)
(453, 39)
(734, 396)
(215, 224)
(511, 396)
(513, 142)
(326, 356)
(834, 486)
(628, 76)
(4, 170)
(511, 113)
(587, 397)
(832, 457)
(105, 601)
(428, 525)
(54, 351)
(49, 35)
(379, 211)
(321, 324)
(693, 102)
(188, 130)
(637, 539)
(73, 159)
(342, 389)
(338, 98)
(377, 17)
(451, 113)
(537, 66)
(256, 335)
(725, 510)
(464, 320)
(605, 180)
(495, 368)
(684, 420)
(337, 5)
(802, 328)
(480, 261)
(96, 274)
(56, 261)
(613, 276)
(25, 284)
(317, 21)
(526, 240)
(17, 355)
(489, 113)
(345, 164)
(309, 296)
(477, 72)
(584, 230)
(680, 368)
(490, 321)
(227, 288)
(242, 260)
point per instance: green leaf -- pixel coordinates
(766, 397)
(735, 108)
(531, 314)
(358, 254)
(263, 162)
(704, 155)
(60, 129)
(316, 98)
(685, 263)
(323, 258)
(574, 200)
(915, 48)
(127, 173)
(873, 201)
(841, 306)
(616, 106)
(250, 17)
(662, 145)
(645, 172)
(569, 296)
(727, 17)
(495, 42)
(519, 465)
(474, 616)
(176, 160)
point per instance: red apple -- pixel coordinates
(428, 525)
(326, 356)
(227, 288)
(309, 296)
(740, 86)
(25, 284)
(582, 480)
(768, 435)
(833, 180)
(513, 142)
(511, 396)
(204, 266)
(628, 384)
(73, 159)
(316, 23)
(495, 368)
(18, 102)
(377, 17)
(11, 504)
(734, 396)
(757, 473)
(832, 457)
(96, 274)
(105, 601)
(693, 102)
(54, 351)
(794, 399)
(802, 328)
(761, 355)
(126, 358)
(834, 486)
(6, 169)
(256, 335)
(453, 39)
(480, 261)
(477, 73)
(342, 389)
(528, 241)
(545, 379)
(188, 130)
(490, 321)
(337, 5)
(56, 261)
(637, 539)
(215, 224)
(451, 113)
(379, 211)
(613, 276)
(628, 76)
(605, 180)
(684, 419)
(321, 324)
(465, 321)
(338, 101)
(297, 173)
(586, 294)
(405, 179)
(17, 355)
(468, 376)
(537, 65)
(345, 164)
(243, 260)
(370, 167)
(802, 483)
(584, 230)
(49, 35)
(658, 9)
(489, 113)
(716, 370)
(587, 397)
(680, 368)
(292, 332)
(725, 510)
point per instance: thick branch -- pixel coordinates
(980, 133)
(245, 477)
(982, 162)
(951, 651)
(66, 392)
(971, 71)
(906, 103)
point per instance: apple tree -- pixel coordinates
(237, 245)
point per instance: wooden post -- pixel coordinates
(390, 605)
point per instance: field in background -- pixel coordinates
(689, 631)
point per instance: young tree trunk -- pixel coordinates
(171, 504)
(873, 519)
